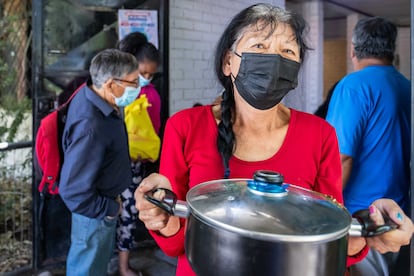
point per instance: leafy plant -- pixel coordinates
(15, 165)
(7, 73)
(18, 111)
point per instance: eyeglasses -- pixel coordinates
(135, 83)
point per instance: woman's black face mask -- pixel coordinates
(264, 79)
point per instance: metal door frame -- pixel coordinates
(42, 105)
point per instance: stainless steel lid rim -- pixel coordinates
(292, 213)
(271, 237)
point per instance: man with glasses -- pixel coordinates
(96, 160)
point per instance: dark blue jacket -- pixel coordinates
(96, 167)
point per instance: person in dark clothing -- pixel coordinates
(96, 160)
(323, 108)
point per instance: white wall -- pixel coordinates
(351, 21)
(195, 27)
(403, 52)
(309, 93)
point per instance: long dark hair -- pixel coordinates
(267, 15)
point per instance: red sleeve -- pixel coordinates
(173, 163)
(329, 178)
(329, 181)
(174, 167)
(172, 246)
(358, 257)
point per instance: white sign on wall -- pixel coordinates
(144, 21)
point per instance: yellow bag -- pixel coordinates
(144, 142)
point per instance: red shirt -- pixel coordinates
(309, 157)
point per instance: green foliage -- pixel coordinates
(15, 189)
(14, 110)
(15, 165)
(7, 72)
(15, 224)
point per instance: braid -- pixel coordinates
(225, 138)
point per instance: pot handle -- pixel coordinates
(169, 202)
(363, 226)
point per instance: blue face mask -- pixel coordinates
(130, 94)
(143, 81)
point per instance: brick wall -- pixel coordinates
(403, 52)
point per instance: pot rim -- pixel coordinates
(326, 237)
(271, 237)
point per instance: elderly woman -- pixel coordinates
(258, 58)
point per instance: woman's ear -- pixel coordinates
(227, 64)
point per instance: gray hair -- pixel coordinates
(268, 14)
(374, 37)
(111, 63)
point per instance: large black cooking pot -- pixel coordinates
(263, 226)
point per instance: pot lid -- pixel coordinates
(268, 209)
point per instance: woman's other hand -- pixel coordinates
(392, 240)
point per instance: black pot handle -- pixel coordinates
(369, 228)
(167, 203)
